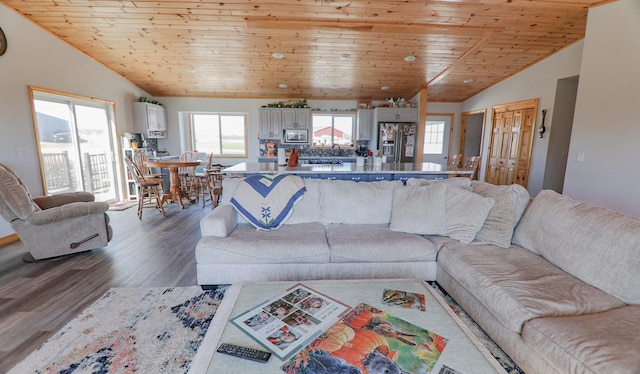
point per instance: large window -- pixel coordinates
(331, 129)
(75, 143)
(223, 134)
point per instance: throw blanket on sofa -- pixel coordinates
(266, 202)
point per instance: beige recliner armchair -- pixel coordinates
(56, 225)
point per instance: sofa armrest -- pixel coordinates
(52, 201)
(220, 222)
(66, 211)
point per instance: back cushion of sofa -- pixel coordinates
(511, 202)
(356, 202)
(596, 245)
(308, 207)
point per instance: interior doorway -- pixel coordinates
(75, 141)
(471, 133)
(560, 134)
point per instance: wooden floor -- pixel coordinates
(38, 299)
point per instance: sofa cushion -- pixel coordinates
(356, 202)
(466, 213)
(301, 243)
(307, 209)
(604, 342)
(461, 182)
(267, 201)
(377, 243)
(516, 285)
(511, 202)
(419, 210)
(596, 245)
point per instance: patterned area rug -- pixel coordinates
(121, 205)
(495, 350)
(148, 330)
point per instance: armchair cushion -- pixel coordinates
(60, 213)
(17, 202)
(46, 202)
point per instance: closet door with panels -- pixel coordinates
(511, 143)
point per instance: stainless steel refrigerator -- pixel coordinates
(397, 141)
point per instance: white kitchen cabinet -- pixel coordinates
(365, 124)
(396, 114)
(296, 118)
(270, 123)
(150, 119)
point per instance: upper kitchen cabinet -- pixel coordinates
(270, 123)
(296, 118)
(150, 119)
(365, 124)
(396, 114)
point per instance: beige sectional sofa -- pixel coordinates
(556, 283)
(564, 298)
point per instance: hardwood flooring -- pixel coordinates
(38, 299)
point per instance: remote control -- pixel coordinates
(243, 352)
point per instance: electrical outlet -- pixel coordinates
(580, 157)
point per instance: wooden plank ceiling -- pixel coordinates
(332, 49)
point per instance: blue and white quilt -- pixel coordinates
(266, 201)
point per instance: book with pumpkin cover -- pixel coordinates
(367, 340)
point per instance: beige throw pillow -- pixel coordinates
(419, 210)
(466, 213)
(511, 201)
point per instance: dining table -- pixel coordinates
(175, 192)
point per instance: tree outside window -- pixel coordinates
(223, 134)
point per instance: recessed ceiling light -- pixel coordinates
(283, 85)
(467, 81)
(277, 55)
(410, 58)
(384, 88)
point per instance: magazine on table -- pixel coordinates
(368, 340)
(288, 321)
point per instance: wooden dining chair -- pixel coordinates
(472, 163)
(214, 181)
(148, 189)
(141, 159)
(188, 182)
(201, 178)
(455, 160)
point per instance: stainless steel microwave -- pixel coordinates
(295, 136)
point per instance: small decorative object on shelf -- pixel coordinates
(143, 99)
(300, 104)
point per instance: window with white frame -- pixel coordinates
(223, 134)
(331, 129)
(434, 137)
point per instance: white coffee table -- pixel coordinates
(464, 352)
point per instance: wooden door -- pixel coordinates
(511, 143)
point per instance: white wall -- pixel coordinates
(538, 81)
(35, 57)
(606, 127)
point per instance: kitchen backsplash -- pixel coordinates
(307, 151)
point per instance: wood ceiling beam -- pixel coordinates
(266, 23)
(462, 58)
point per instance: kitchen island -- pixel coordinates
(350, 171)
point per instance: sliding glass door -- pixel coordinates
(75, 141)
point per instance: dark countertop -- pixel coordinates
(345, 168)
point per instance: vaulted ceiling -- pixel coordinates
(329, 49)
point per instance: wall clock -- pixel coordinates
(3, 43)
